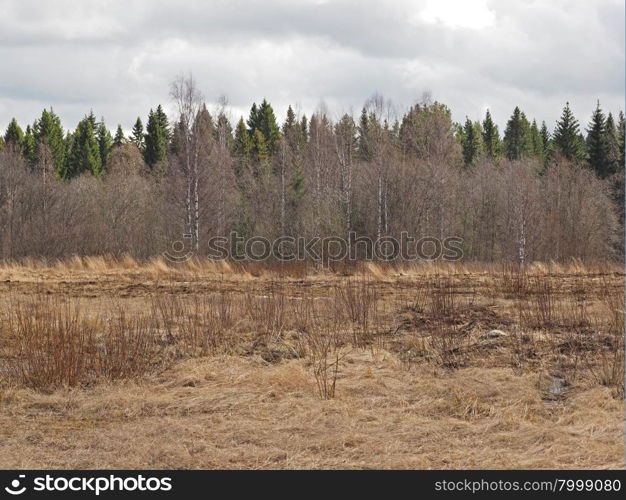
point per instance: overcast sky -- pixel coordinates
(118, 57)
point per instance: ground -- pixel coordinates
(460, 366)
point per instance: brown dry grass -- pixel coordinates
(222, 366)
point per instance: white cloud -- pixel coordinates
(474, 14)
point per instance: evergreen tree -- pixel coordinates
(304, 127)
(14, 135)
(491, 137)
(137, 137)
(364, 147)
(566, 139)
(242, 149)
(517, 136)
(612, 140)
(290, 122)
(156, 142)
(164, 123)
(536, 142)
(295, 142)
(178, 139)
(49, 134)
(262, 119)
(471, 142)
(119, 138)
(105, 144)
(261, 152)
(29, 147)
(597, 144)
(85, 150)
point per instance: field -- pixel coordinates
(115, 364)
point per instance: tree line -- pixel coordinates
(521, 195)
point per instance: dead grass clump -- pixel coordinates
(51, 343)
(358, 301)
(324, 346)
(196, 326)
(268, 312)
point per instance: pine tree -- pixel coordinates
(85, 152)
(105, 144)
(156, 142)
(14, 135)
(517, 136)
(491, 137)
(119, 138)
(48, 133)
(137, 137)
(566, 138)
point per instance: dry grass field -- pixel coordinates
(115, 364)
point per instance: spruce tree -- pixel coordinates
(48, 133)
(262, 119)
(156, 142)
(566, 138)
(597, 145)
(517, 136)
(471, 142)
(119, 138)
(294, 140)
(29, 147)
(105, 144)
(164, 123)
(14, 135)
(137, 137)
(242, 149)
(491, 137)
(536, 142)
(261, 153)
(364, 147)
(85, 150)
(612, 140)
(304, 128)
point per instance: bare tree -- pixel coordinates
(188, 100)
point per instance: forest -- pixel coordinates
(526, 194)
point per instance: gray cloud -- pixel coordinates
(117, 57)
